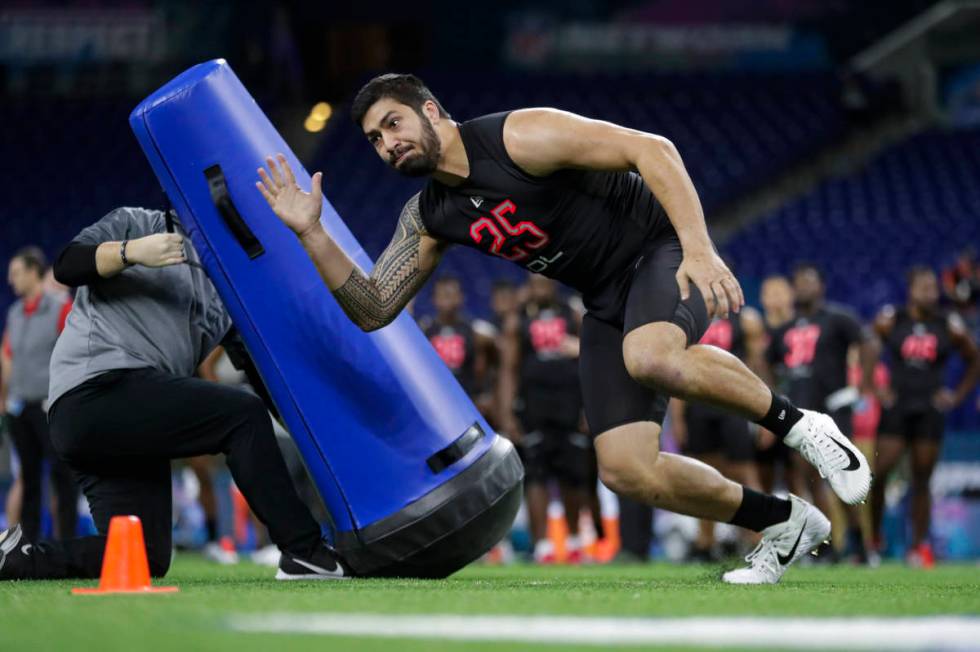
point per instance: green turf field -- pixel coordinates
(43, 616)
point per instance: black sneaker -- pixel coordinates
(323, 564)
(10, 550)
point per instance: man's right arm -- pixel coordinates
(370, 300)
(373, 301)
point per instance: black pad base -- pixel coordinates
(447, 528)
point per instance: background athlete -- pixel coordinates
(540, 398)
(557, 194)
(919, 338)
(811, 350)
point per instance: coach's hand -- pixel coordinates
(717, 284)
(298, 210)
(157, 250)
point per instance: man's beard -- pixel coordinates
(425, 158)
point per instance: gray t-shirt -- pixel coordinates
(165, 318)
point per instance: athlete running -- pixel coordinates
(611, 212)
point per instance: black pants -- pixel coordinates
(119, 431)
(29, 431)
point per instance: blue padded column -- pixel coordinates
(398, 452)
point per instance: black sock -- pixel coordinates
(212, 527)
(782, 416)
(759, 511)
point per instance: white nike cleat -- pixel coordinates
(823, 445)
(782, 544)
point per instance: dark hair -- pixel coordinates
(502, 284)
(801, 267)
(916, 271)
(407, 89)
(34, 259)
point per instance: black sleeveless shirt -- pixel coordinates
(543, 364)
(918, 350)
(583, 228)
(455, 344)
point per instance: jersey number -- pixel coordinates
(547, 335)
(920, 347)
(501, 229)
(451, 348)
(801, 345)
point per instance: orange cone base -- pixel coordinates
(124, 565)
(152, 589)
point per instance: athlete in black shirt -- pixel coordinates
(557, 194)
(777, 299)
(811, 352)
(453, 337)
(539, 385)
(918, 339)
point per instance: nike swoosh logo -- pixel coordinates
(337, 572)
(854, 464)
(784, 560)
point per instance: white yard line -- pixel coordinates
(944, 632)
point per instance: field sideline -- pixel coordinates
(214, 601)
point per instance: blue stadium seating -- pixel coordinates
(67, 163)
(916, 202)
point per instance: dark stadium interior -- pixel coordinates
(840, 133)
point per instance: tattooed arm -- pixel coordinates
(403, 267)
(371, 301)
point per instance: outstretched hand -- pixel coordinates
(298, 210)
(719, 287)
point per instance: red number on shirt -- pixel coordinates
(502, 226)
(801, 345)
(451, 348)
(719, 334)
(547, 335)
(920, 347)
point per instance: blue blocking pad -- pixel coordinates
(405, 464)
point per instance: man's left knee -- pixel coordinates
(653, 360)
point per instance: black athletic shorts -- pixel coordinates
(555, 451)
(712, 430)
(611, 397)
(924, 422)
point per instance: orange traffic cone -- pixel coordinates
(124, 566)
